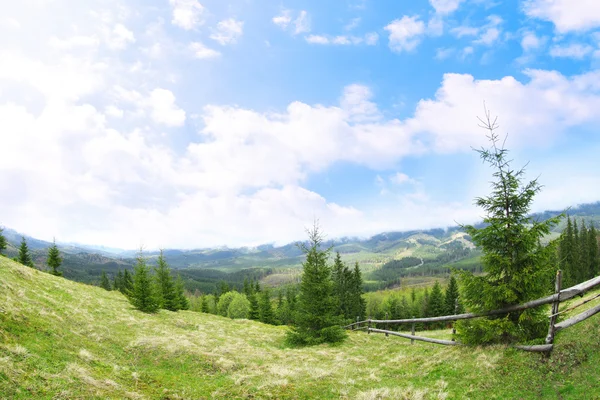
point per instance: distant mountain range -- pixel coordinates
(86, 262)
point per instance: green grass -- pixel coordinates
(61, 339)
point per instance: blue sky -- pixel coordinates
(195, 123)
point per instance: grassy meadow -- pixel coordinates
(65, 340)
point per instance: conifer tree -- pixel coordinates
(104, 282)
(594, 269)
(118, 281)
(451, 298)
(205, 307)
(436, 304)
(339, 283)
(24, 256)
(265, 308)
(315, 319)
(358, 304)
(165, 285)
(127, 283)
(181, 301)
(567, 250)
(143, 295)
(254, 312)
(3, 243)
(257, 287)
(54, 259)
(517, 265)
(248, 290)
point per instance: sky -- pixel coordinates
(202, 123)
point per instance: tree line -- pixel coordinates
(578, 252)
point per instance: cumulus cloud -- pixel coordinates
(405, 33)
(575, 50)
(370, 39)
(445, 6)
(199, 50)
(299, 24)
(566, 15)
(187, 14)
(228, 31)
(531, 41)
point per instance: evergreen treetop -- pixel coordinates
(104, 282)
(143, 294)
(24, 256)
(165, 285)
(54, 259)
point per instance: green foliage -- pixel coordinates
(127, 283)
(254, 312)
(224, 302)
(315, 320)
(143, 295)
(104, 282)
(3, 243)
(452, 305)
(517, 266)
(265, 308)
(181, 301)
(166, 287)
(54, 260)
(24, 256)
(239, 306)
(578, 253)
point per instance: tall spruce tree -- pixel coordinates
(436, 304)
(3, 243)
(54, 259)
(127, 285)
(118, 281)
(104, 282)
(24, 256)
(254, 312)
(316, 321)
(165, 285)
(358, 305)
(594, 253)
(517, 265)
(265, 308)
(143, 294)
(451, 298)
(182, 302)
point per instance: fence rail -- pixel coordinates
(558, 297)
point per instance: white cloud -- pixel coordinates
(164, 109)
(575, 50)
(199, 50)
(400, 178)
(283, 20)
(120, 37)
(445, 6)
(302, 23)
(405, 33)
(566, 15)
(356, 101)
(486, 35)
(228, 31)
(370, 39)
(444, 53)
(187, 14)
(354, 23)
(461, 31)
(530, 41)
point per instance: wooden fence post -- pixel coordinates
(387, 325)
(555, 304)
(357, 321)
(412, 332)
(369, 325)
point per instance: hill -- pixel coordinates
(62, 339)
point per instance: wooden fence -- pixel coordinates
(555, 299)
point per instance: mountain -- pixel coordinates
(204, 268)
(62, 339)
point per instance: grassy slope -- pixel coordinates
(60, 339)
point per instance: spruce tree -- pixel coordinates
(451, 298)
(24, 256)
(517, 266)
(104, 282)
(181, 300)
(118, 281)
(357, 304)
(127, 283)
(254, 312)
(315, 320)
(165, 285)
(3, 243)
(436, 304)
(205, 307)
(593, 250)
(567, 254)
(54, 260)
(339, 283)
(265, 308)
(143, 294)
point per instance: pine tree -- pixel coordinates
(315, 319)
(254, 312)
(181, 300)
(127, 284)
(593, 250)
(265, 308)
(248, 290)
(165, 285)
(3, 243)
(118, 281)
(576, 268)
(436, 304)
(24, 257)
(357, 304)
(339, 283)
(104, 282)
(54, 259)
(517, 265)
(584, 253)
(205, 307)
(143, 294)
(567, 250)
(451, 298)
